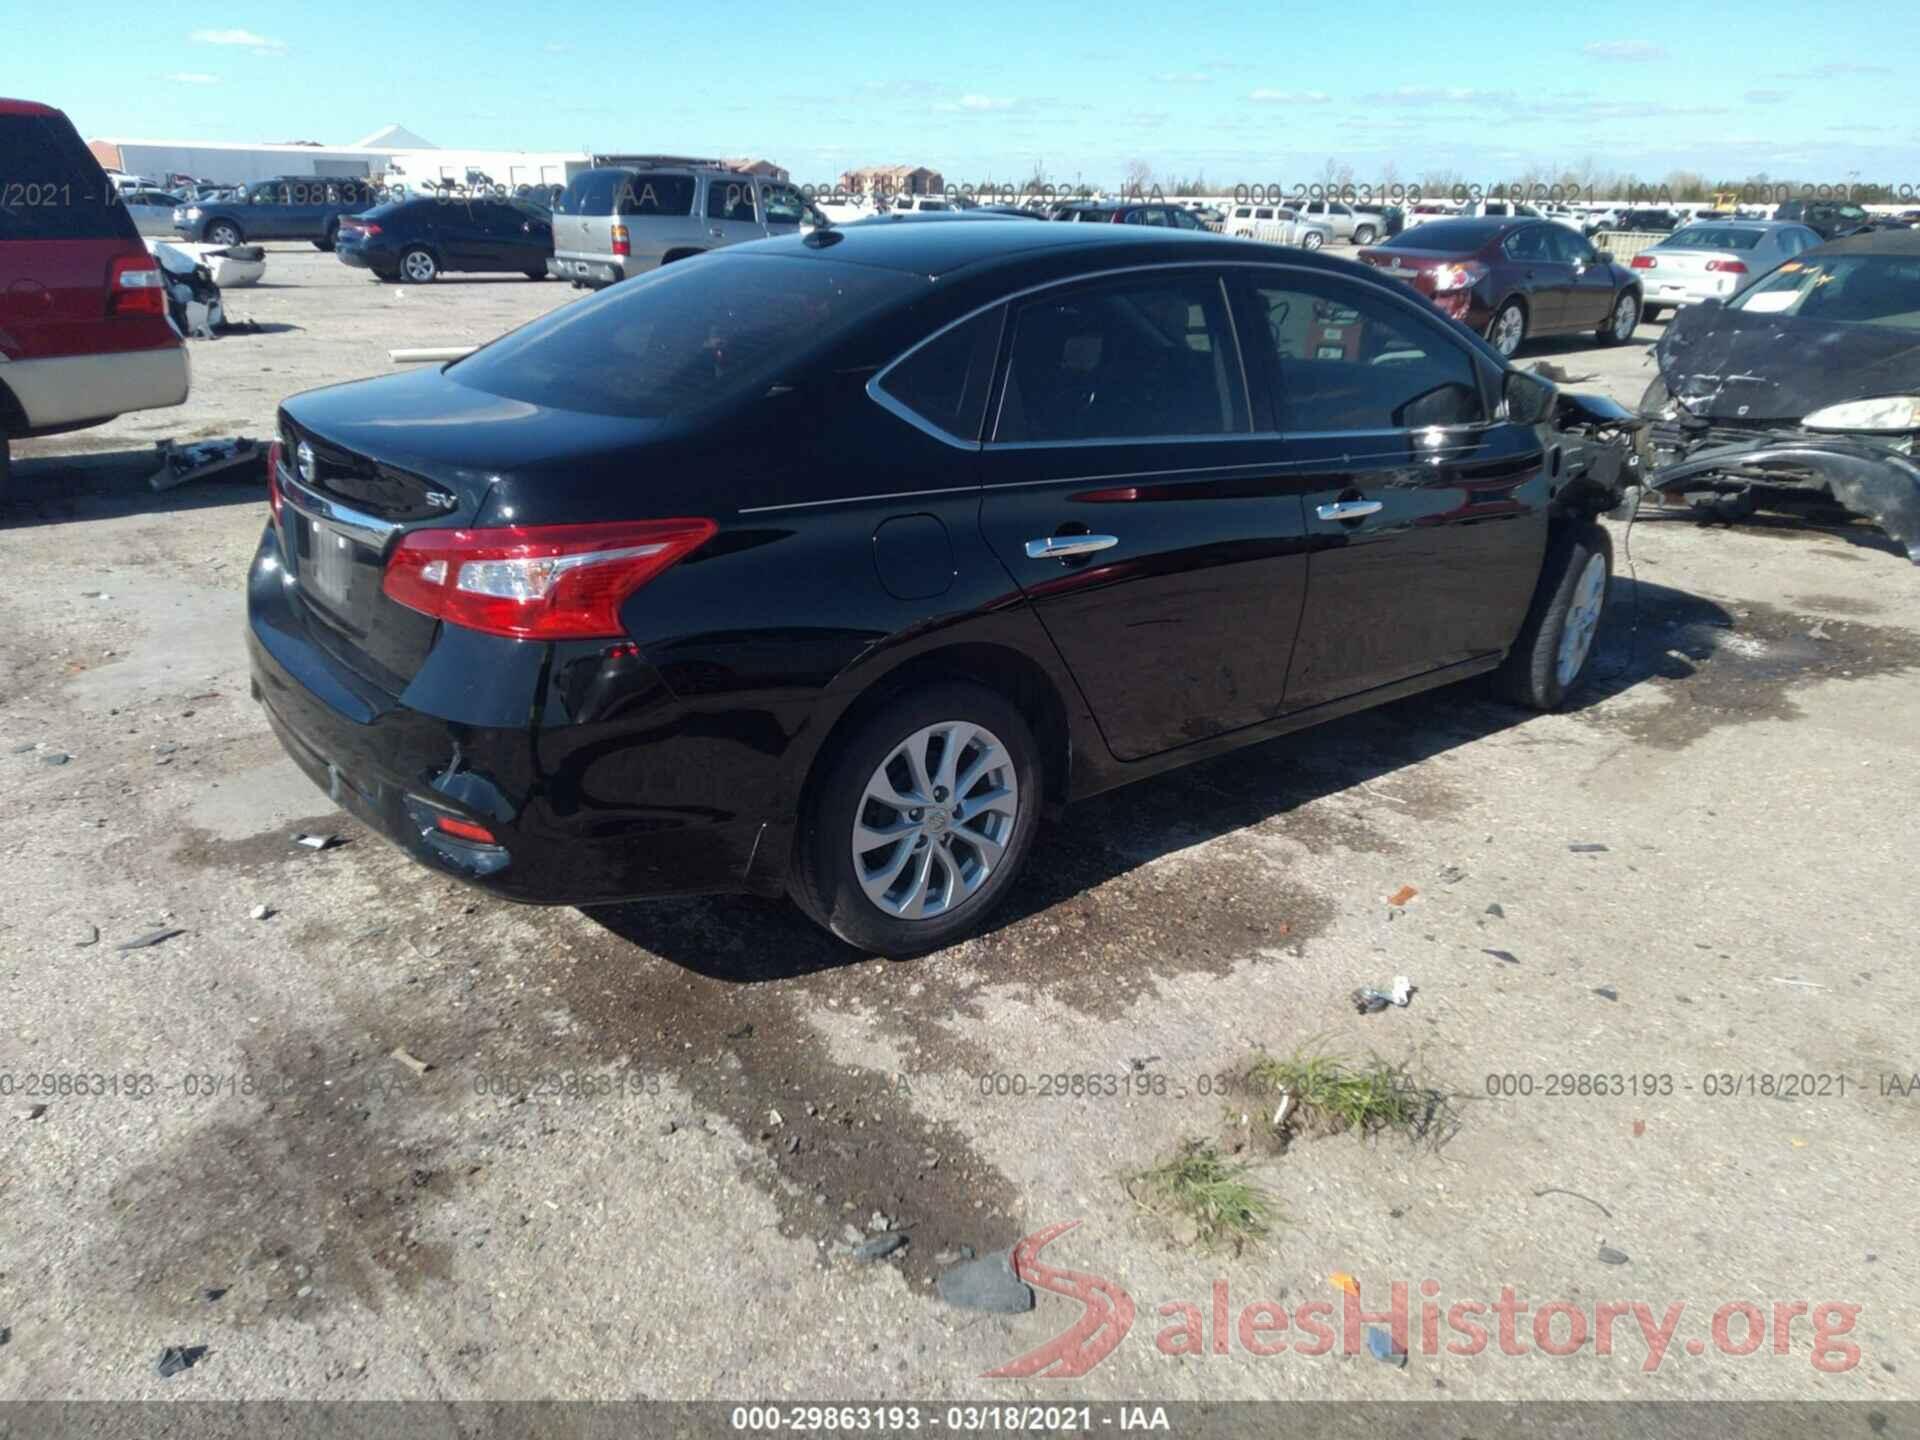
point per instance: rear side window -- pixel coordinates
(730, 200)
(945, 381)
(685, 338)
(1338, 357)
(1128, 360)
(655, 195)
(51, 187)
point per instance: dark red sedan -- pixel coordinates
(1514, 279)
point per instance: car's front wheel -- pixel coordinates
(1550, 658)
(223, 232)
(921, 821)
(1312, 240)
(418, 265)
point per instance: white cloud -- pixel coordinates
(259, 44)
(1290, 97)
(193, 77)
(1631, 51)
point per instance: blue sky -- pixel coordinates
(986, 90)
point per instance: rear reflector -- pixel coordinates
(543, 582)
(274, 453)
(1644, 262)
(464, 830)
(136, 287)
(622, 245)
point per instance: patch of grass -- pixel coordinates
(1322, 1094)
(1224, 1206)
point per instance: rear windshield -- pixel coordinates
(1447, 235)
(686, 337)
(1840, 289)
(1712, 237)
(51, 187)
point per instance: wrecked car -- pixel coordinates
(1804, 386)
(1165, 495)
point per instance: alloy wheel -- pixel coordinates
(1626, 315)
(1583, 619)
(418, 266)
(1509, 328)
(935, 820)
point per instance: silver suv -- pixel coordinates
(1347, 222)
(617, 221)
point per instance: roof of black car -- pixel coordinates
(943, 249)
(1872, 242)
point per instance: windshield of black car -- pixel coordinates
(684, 338)
(1840, 289)
(1711, 237)
(1456, 235)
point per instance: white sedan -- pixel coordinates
(1711, 259)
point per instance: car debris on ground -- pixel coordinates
(181, 464)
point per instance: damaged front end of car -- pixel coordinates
(1763, 411)
(1600, 449)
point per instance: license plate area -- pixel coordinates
(333, 567)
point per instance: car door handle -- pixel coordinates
(1063, 547)
(716, 232)
(1350, 509)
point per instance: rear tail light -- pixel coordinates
(275, 452)
(1728, 267)
(1645, 262)
(363, 227)
(622, 245)
(135, 286)
(544, 582)
(1458, 277)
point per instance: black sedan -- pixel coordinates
(418, 239)
(827, 565)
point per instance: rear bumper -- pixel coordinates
(541, 790)
(586, 272)
(1674, 290)
(84, 389)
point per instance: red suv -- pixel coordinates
(84, 332)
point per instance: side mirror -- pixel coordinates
(1527, 398)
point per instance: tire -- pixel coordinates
(326, 242)
(1651, 313)
(1507, 331)
(1611, 331)
(535, 274)
(1312, 240)
(224, 232)
(418, 266)
(1363, 235)
(1555, 646)
(827, 880)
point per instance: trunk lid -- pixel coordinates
(1410, 267)
(365, 463)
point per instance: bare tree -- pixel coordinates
(1139, 177)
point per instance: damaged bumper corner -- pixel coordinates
(1606, 449)
(1871, 480)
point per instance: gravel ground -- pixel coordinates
(626, 1153)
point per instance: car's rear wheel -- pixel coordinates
(1507, 331)
(1622, 320)
(1363, 234)
(223, 232)
(921, 821)
(326, 242)
(418, 265)
(1550, 658)
(1312, 240)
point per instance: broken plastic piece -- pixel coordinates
(1400, 897)
(317, 842)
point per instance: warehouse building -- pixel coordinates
(393, 154)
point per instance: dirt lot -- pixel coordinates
(1697, 879)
